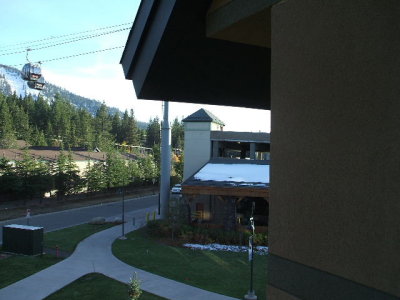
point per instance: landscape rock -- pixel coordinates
(97, 221)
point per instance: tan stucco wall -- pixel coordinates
(197, 145)
(82, 166)
(335, 144)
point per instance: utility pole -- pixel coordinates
(165, 162)
(123, 213)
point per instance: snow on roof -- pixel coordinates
(25, 227)
(234, 173)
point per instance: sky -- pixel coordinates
(45, 23)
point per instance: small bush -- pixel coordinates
(159, 228)
(260, 239)
(134, 290)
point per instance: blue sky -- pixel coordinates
(98, 75)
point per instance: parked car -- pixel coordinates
(176, 189)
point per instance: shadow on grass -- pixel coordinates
(96, 286)
(226, 273)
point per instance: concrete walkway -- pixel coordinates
(94, 255)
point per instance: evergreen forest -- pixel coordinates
(60, 124)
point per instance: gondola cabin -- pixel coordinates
(31, 72)
(38, 84)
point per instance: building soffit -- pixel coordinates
(241, 21)
(169, 57)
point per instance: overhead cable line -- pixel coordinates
(67, 41)
(74, 55)
(64, 35)
(61, 42)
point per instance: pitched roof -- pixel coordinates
(52, 155)
(203, 115)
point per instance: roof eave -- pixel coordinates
(169, 57)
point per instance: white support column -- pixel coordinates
(165, 162)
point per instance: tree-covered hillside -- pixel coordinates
(60, 123)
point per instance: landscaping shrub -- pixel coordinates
(134, 289)
(260, 239)
(203, 235)
(159, 228)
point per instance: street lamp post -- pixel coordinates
(122, 190)
(251, 293)
(123, 214)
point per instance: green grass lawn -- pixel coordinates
(226, 273)
(96, 286)
(17, 267)
(67, 239)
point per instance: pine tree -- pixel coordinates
(85, 134)
(9, 181)
(116, 170)
(124, 127)
(50, 138)
(135, 172)
(21, 123)
(153, 132)
(41, 113)
(102, 125)
(34, 176)
(37, 138)
(7, 137)
(116, 127)
(102, 120)
(61, 120)
(177, 134)
(133, 137)
(67, 180)
(95, 176)
(149, 167)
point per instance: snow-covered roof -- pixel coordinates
(230, 177)
(240, 173)
(25, 227)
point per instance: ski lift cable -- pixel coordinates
(61, 42)
(65, 35)
(66, 42)
(74, 55)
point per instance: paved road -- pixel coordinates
(76, 216)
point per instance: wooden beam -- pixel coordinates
(226, 191)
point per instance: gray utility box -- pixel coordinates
(23, 239)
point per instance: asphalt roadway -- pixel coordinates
(67, 218)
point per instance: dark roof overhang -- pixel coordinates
(225, 191)
(245, 137)
(169, 57)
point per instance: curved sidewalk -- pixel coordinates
(94, 254)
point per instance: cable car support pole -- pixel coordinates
(165, 162)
